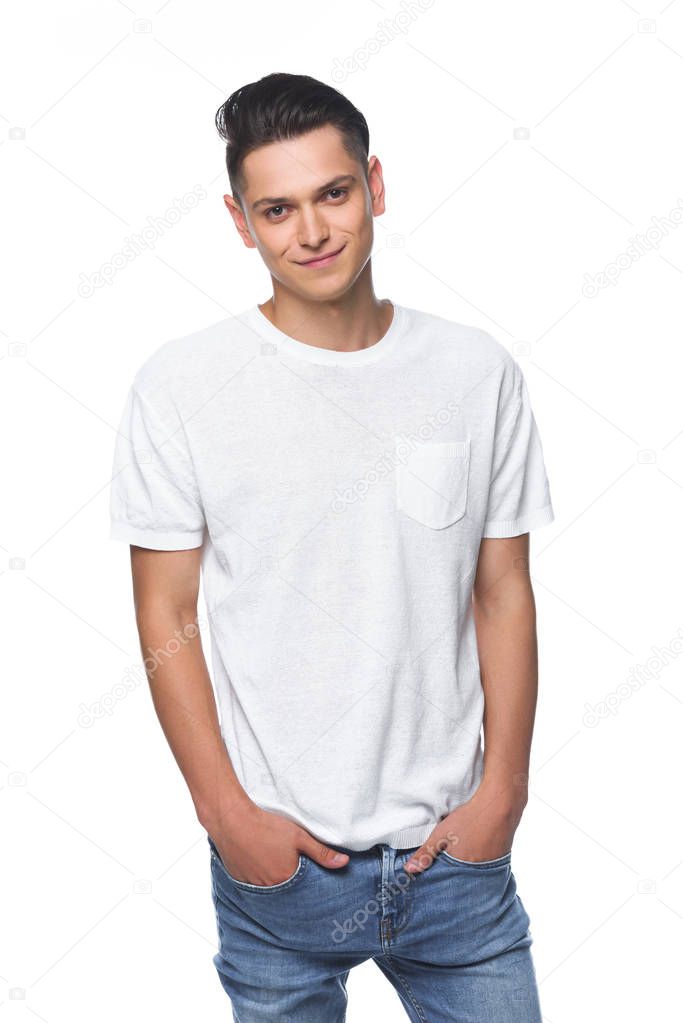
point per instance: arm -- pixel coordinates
(255, 845)
(165, 591)
(505, 619)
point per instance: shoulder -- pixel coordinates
(470, 346)
(190, 363)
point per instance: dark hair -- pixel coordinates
(282, 106)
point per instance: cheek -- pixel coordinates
(363, 236)
(272, 245)
(356, 219)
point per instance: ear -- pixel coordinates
(376, 186)
(235, 211)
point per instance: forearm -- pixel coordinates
(508, 657)
(183, 698)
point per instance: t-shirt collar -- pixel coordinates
(326, 356)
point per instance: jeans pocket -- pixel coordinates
(246, 886)
(499, 861)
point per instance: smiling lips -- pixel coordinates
(323, 260)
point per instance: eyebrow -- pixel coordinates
(281, 200)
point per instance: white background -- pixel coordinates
(524, 146)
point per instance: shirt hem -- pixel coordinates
(515, 527)
(408, 838)
(154, 539)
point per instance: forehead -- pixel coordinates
(297, 166)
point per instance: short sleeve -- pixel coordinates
(519, 492)
(154, 497)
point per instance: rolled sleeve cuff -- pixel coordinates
(515, 527)
(154, 539)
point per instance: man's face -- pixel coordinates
(306, 198)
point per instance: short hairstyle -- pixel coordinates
(282, 106)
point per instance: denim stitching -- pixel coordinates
(260, 888)
(413, 1001)
(476, 863)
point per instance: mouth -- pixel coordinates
(323, 260)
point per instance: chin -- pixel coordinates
(327, 290)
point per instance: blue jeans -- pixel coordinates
(454, 941)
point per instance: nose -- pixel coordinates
(313, 230)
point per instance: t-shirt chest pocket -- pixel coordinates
(431, 484)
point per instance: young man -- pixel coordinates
(357, 480)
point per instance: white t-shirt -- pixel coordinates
(341, 498)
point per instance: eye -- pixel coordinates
(269, 212)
